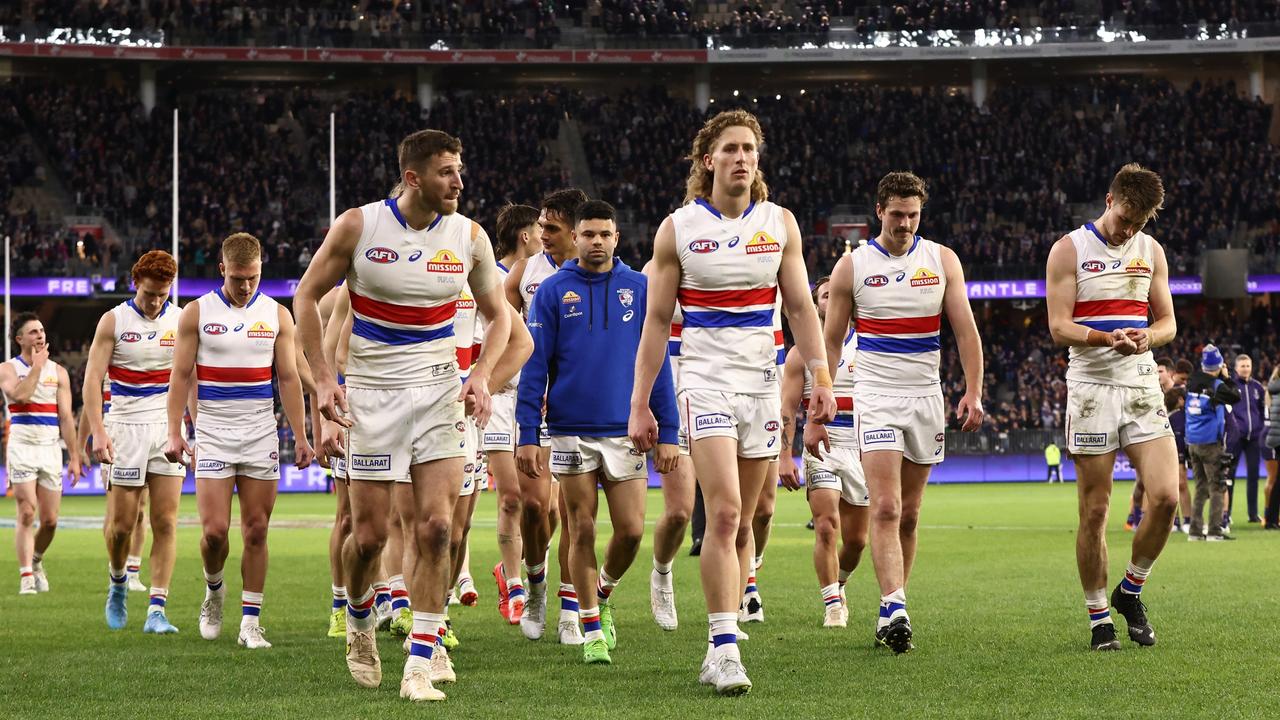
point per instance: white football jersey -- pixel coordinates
(1113, 286)
(842, 429)
(404, 286)
(897, 304)
(140, 363)
(728, 294)
(536, 269)
(235, 361)
(35, 422)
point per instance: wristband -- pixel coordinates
(822, 377)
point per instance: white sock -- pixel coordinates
(250, 606)
(662, 574)
(423, 640)
(213, 583)
(132, 564)
(831, 595)
(892, 606)
(725, 626)
(1095, 603)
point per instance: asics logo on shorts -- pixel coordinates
(712, 420)
(1090, 439)
(566, 458)
(210, 465)
(119, 473)
(887, 435)
(371, 463)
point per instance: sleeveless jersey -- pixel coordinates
(140, 363)
(779, 339)
(1113, 285)
(674, 344)
(35, 422)
(727, 294)
(841, 428)
(898, 307)
(106, 396)
(404, 286)
(536, 269)
(235, 361)
(464, 327)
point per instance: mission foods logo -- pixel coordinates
(168, 339)
(261, 331)
(381, 255)
(444, 262)
(762, 242)
(570, 298)
(925, 277)
(1139, 266)
(465, 302)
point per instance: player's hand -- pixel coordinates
(332, 440)
(788, 473)
(815, 438)
(1141, 337)
(332, 399)
(75, 470)
(969, 409)
(822, 405)
(176, 450)
(103, 450)
(39, 355)
(528, 460)
(475, 393)
(642, 428)
(666, 457)
(303, 454)
(1122, 343)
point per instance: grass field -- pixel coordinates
(1000, 632)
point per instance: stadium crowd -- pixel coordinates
(397, 23)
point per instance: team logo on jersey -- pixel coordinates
(702, 247)
(261, 331)
(925, 277)
(445, 262)
(130, 337)
(460, 426)
(1093, 266)
(414, 257)
(168, 339)
(1138, 265)
(762, 242)
(876, 281)
(381, 255)
(465, 302)
(570, 297)
(215, 329)
(626, 296)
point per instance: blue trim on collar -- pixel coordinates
(550, 260)
(18, 357)
(223, 298)
(505, 269)
(711, 208)
(227, 302)
(1094, 230)
(133, 305)
(395, 210)
(435, 222)
(915, 243)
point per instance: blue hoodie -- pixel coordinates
(586, 331)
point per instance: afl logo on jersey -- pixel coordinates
(1138, 265)
(261, 331)
(531, 288)
(445, 262)
(381, 255)
(130, 337)
(925, 277)
(876, 281)
(762, 242)
(771, 426)
(1093, 266)
(215, 329)
(702, 247)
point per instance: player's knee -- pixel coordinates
(214, 536)
(433, 535)
(254, 532)
(824, 529)
(1162, 504)
(723, 521)
(628, 537)
(48, 523)
(533, 511)
(1094, 515)
(764, 513)
(676, 517)
(509, 503)
(886, 513)
(908, 522)
(742, 538)
(164, 526)
(583, 531)
(26, 514)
